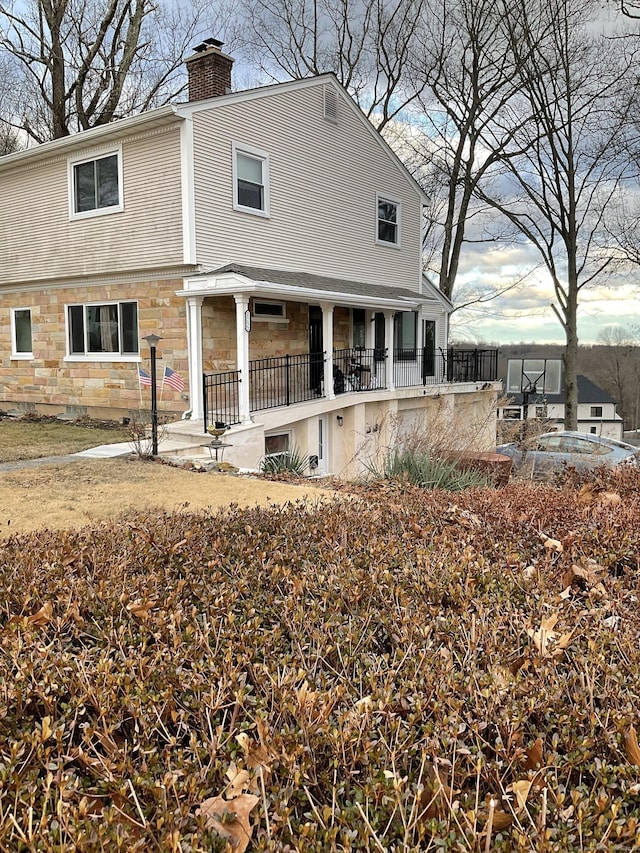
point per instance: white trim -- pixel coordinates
(103, 357)
(230, 283)
(15, 355)
(268, 318)
(90, 157)
(189, 247)
(384, 197)
(263, 157)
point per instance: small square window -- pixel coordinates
(95, 185)
(21, 340)
(250, 181)
(596, 411)
(388, 221)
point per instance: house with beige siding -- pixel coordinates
(270, 238)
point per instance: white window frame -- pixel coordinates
(277, 433)
(268, 318)
(100, 356)
(78, 160)
(384, 197)
(15, 355)
(256, 154)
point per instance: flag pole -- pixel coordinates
(164, 374)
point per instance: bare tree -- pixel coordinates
(465, 76)
(84, 64)
(365, 43)
(570, 159)
(615, 363)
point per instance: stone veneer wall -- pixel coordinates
(49, 384)
(266, 339)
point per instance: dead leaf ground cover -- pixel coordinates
(403, 671)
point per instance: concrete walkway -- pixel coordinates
(104, 451)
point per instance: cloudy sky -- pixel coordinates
(524, 313)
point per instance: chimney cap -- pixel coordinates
(208, 43)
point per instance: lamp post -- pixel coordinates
(153, 341)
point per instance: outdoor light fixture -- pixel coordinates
(153, 341)
(340, 420)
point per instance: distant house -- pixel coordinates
(272, 240)
(596, 410)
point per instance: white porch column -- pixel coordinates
(194, 351)
(242, 355)
(390, 345)
(327, 342)
(369, 329)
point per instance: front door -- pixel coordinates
(316, 349)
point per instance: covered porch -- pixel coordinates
(285, 381)
(316, 338)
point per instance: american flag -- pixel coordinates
(173, 379)
(143, 377)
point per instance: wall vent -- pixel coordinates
(330, 104)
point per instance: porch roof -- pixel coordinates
(300, 287)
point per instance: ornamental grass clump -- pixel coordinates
(400, 669)
(428, 471)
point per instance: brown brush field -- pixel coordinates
(400, 671)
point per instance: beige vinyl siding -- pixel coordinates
(324, 179)
(40, 242)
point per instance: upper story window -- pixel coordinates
(21, 345)
(596, 411)
(250, 180)
(95, 184)
(109, 329)
(388, 221)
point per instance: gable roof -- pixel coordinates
(181, 111)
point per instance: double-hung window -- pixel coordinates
(95, 184)
(103, 331)
(388, 221)
(250, 180)
(21, 345)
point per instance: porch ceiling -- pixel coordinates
(300, 287)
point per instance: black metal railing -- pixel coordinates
(282, 381)
(221, 393)
(359, 369)
(275, 382)
(472, 365)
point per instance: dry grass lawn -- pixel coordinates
(33, 439)
(75, 494)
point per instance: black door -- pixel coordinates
(316, 349)
(428, 349)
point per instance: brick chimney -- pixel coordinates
(209, 71)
